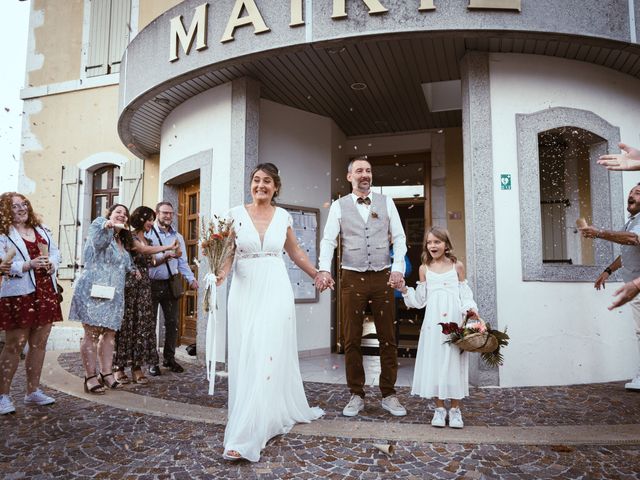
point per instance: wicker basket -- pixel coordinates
(478, 342)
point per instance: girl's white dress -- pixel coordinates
(441, 370)
(266, 395)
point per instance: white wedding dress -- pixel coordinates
(266, 395)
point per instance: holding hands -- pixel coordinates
(323, 280)
(396, 280)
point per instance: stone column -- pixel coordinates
(478, 195)
(245, 132)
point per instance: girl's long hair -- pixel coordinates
(6, 214)
(443, 235)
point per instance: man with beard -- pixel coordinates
(166, 265)
(366, 222)
(628, 260)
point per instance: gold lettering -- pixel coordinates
(178, 34)
(296, 13)
(340, 8)
(496, 4)
(235, 20)
(426, 5)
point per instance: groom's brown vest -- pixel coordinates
(365, 246)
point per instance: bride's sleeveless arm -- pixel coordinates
(297, 254)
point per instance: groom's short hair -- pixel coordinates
(359, 158)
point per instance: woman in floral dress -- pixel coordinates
(136, 339)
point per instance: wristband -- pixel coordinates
(608, 270)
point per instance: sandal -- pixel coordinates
(138, 376)
(97, 389)
(114, 385)
(121, 377)
(232, 455)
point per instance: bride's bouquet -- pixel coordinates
(476, 335)
(217, 244)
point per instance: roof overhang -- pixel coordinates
(365, 70)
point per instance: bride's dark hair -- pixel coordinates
(271, 170)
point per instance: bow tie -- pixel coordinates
(365, 200)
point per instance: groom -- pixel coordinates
(366, 222)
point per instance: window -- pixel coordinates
(559, 181)
(108, 35)
(565, 194)
(105, 190)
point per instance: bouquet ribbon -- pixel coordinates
(210, 341)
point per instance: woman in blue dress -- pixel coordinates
(98, 298)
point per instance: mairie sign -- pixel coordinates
(246, 13)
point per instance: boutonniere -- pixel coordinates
(373, 213)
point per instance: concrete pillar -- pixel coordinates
(478, 195)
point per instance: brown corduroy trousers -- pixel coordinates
(359, 289)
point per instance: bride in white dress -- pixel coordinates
(266, 395)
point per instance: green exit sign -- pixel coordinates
(505, 181)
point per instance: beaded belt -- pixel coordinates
(242, 256)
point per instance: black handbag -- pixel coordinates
(59, 292)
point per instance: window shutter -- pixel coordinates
(98, 54)
(68, 234)
(131, 183)
(118, 32)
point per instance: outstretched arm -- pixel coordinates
(623, 238)
(626, 293)
(141, 246)
(628, 160)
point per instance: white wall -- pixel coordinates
(200, 124)
(561, 333)
(300, 145)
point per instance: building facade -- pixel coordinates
(495, 110)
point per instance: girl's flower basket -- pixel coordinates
(475, 335)
(478, 342)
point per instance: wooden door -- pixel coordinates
(189, 214)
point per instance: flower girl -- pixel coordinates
(441, 369)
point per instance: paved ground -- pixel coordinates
(79, 438)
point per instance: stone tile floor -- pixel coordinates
(79, 439)
(594, 404)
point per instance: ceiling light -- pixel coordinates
(162, 101)
(358, 86)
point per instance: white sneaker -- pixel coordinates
(455, 418)
(439, 417)
(392, 405)
(38, 398)
(634, 384)
(356, 403)
(6, 405)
